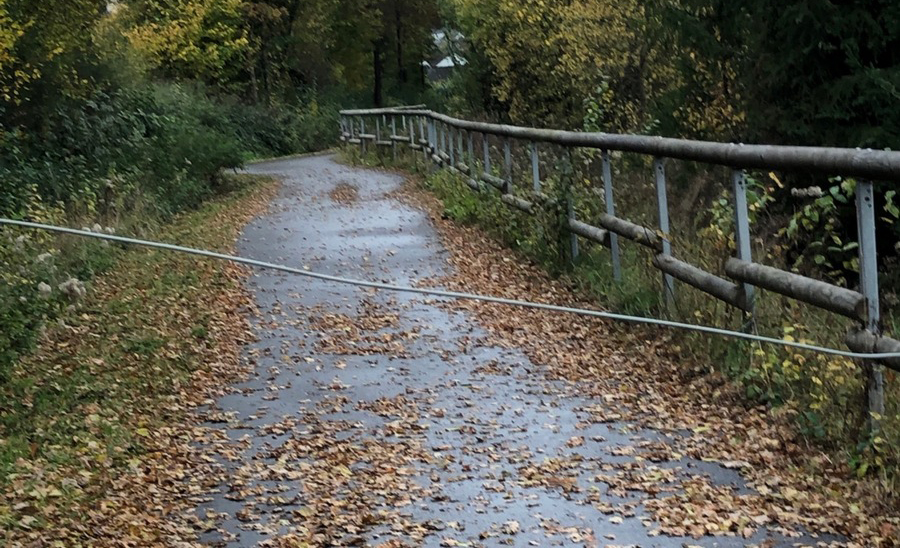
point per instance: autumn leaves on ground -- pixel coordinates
(101, 446)
(96, 428)
(630, 372)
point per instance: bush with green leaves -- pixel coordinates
(126, 159)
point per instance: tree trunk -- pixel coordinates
(378, 66)
(254, 84)
(398, 23)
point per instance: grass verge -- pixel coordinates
(93, 422)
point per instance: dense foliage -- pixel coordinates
(110, 119)
(816, 72)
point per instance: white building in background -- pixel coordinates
(449, 46)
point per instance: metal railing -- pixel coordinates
(449, 142)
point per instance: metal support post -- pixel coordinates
(535, 168)
(459, 146)
(868, 281)
(393, 140)
(432, 142)
(507, 166)
(451, 146)
(412, 143)
(662, 203)
(472, 174)
(573, 238)
(362, 130)
(422, 128)
(742, 235)
(611, 210)
(486, 145)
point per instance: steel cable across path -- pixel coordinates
(454, 294)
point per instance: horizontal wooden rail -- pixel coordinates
(367, 136)
(590, 232)
(495, 182)
(518, 203)
(720, 288)
(871, 164)
(633, 232)
(824, 295)
(861, 340)
(400, 138)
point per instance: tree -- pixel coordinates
(548, 57)
(198, 39)
(825, 72)
(46, 54)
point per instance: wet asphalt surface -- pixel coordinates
(488, 417)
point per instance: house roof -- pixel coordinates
(451, 61)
